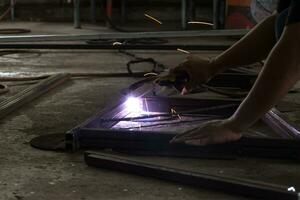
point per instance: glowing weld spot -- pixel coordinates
(134, 105)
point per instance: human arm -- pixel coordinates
(280, 72)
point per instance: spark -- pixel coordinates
(117, 43)
(291, 189)
(183, 51)
(173, 111)
(201, 23)
(152, 18)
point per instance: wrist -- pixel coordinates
(215, 66)
(234, 125)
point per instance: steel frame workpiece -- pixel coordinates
(222, 183)
(96, 133)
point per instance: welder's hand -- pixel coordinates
(213, 132)
(199, 69)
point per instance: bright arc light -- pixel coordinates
(134, 105)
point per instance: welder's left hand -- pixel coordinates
(212, 132)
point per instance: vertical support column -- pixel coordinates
(123, 11)
(183, 14)
(77, 22)
(216, 14)
(109, 7)
(191, 10)
(12, 10)
(93, 11)
(219, 12)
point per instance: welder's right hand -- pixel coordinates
(199, 70)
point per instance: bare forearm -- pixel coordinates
(254, 47)
(280, 73)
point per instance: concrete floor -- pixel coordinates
(28, 173)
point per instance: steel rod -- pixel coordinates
(29, 94)
(226, 184)
(113, 47)
(135, 35)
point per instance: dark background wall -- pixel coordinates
(62, 10)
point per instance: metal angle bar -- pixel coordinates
(134, 35)
(279, 124)
(113, 47)
(226, 184)
(26, 96)
(158, 143)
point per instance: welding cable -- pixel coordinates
(5, 53)
(11, 30)
(3, 88)
(157, 67)
(5, 13)
(6, 31)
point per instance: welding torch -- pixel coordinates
(177, 80)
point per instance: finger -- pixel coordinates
(184, 91)
(195, 134)
(185, 133)
(198, 142)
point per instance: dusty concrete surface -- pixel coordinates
(27, 173)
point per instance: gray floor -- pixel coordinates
(28, 173)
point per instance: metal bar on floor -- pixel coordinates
(29, 94)
(135, 35)
(115, 47)
(222, 183)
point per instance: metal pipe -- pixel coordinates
(184, 14)
(115, 47)
(134, 35)
(109, 7)
(228, 184)
(216, 13)
(12, 10)
(93, 11)
(77, 23)
(123, 11)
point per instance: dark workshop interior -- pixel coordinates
(149, 99)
